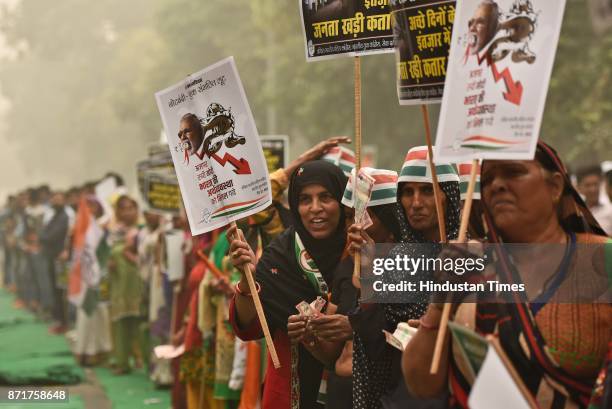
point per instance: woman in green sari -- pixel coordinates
(126, 286)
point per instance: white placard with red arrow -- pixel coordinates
(215, 147)
(501, 58)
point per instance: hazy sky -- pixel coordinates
(11, 169)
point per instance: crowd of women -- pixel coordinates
(154, 284)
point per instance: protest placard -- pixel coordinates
(335, 28)
(161, 192)
(105, 190)
(276, 151)
(215, 147)
(497, 78)
(160, 159)
(175, 260)
(422, 31)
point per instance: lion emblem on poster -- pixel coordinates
(218, 127)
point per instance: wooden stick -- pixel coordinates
(357, 113)
(467, 207)
(357, 69)
(442, 226)
(434, 176)
(260, 313)
(465, 218)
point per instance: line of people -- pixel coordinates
(561, 350)
(140, 280)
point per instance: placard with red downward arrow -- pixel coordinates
(501, 58)
(215, 147)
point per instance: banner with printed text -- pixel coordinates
(215, 147)
(161, 192)
(159, 160)
(422, 30)
(336, 28)
(499, 68)
(276, 151)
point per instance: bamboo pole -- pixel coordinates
(434, 176)
(260, 313)
(463, 227)
(357, 70)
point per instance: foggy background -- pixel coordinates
(77, 80)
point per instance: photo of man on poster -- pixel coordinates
(190, 134)
(483, 25)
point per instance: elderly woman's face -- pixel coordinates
(319, 211)
(519, 195)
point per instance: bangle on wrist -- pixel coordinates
(239, 291)
(426, 326)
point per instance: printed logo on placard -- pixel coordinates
(205, 216)
(457, 143)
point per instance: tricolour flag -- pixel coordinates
(416, 168)
(384, 190)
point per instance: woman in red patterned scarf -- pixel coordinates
(556, 348)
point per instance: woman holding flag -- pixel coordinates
(557, 348)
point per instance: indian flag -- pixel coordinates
(487, 143)
(85, 270)
(416, 168)
(383, 192)
(342, 157)
(238, 207)
(465, 169)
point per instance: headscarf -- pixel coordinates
(383, 200)
(377, 365)
(574, 215)
(284, 283)
(515, 321)
(325, 252)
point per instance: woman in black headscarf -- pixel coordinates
(377, 372)
(297, 266)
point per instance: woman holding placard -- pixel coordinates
(555, 347)
(294, 270)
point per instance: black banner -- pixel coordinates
(423, 32)
(346, 28)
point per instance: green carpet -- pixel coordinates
(28, 354)
(132, 391)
